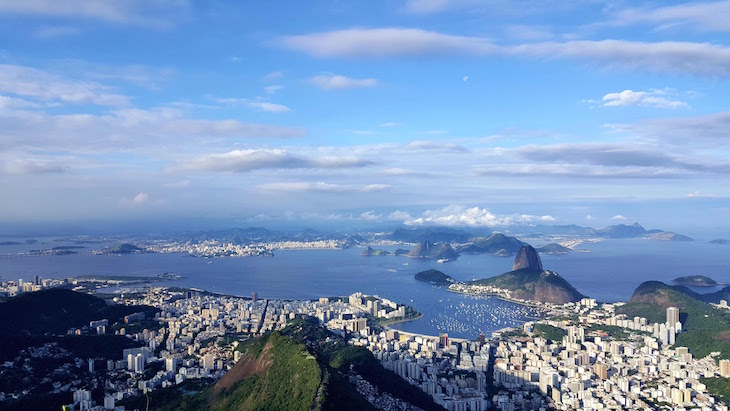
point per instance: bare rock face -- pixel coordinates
(528, 258)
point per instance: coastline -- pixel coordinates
(500, 297)
(404, 320)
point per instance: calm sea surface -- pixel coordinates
(610, 273)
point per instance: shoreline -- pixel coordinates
(404, 320)
(500, 297)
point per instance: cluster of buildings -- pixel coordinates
(211, 248)
(11, 288)
(215, 248)
(594, 370)
(638, 368)
(198, 334)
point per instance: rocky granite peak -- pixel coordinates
(527, 257)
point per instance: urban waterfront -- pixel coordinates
(309, 274)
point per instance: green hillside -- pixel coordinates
(302, 367)
(56, 310)
(705, 329)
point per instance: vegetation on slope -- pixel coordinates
(545, 286)
(705, 328)
(56, 310)
(302, 367)
(549, 332)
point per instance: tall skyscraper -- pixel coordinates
(725, 368)
(254, 296)
(444, 340)
(672, 316)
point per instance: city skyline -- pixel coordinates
(459, 113)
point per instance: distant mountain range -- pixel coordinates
(614, 231)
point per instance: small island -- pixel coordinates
(554, 249)
(373, 252)
(122, 248)
(434, 277)
(696, 281)
(720, 241)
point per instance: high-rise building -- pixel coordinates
(139, 363)
(254, 296)
(444, 340)
(725, 368)
(672, 316)
(601, 370)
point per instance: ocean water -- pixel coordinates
(610, 273)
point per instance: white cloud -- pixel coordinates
(370, 216)
(141, 198)
(663, 57)
(249, 160)
(619, 217)
(653, 98)
(391, 124)
(474, 217)
(399, 215)
(273, 89)
(465, 78)
(589, 217)
(335, 82)
(42, 85)
(376, 187)
(274, 75)
(699, 194)
(270, 107)
(155, 13)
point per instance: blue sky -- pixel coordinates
(457, 112)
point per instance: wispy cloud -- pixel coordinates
(320, 187)
(249, 160)
(619, 217)
(435, 146)
(273, 89)
(38, 84)
(258, 104)
(336, 82)
(274, 75)
(696, 16)
(154, 13)
(663, 57)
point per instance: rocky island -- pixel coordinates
(122, 248)
(696, 281)
(438, 251)
(434, 277)
(554, 249)
(373, 252)
(720, 241)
